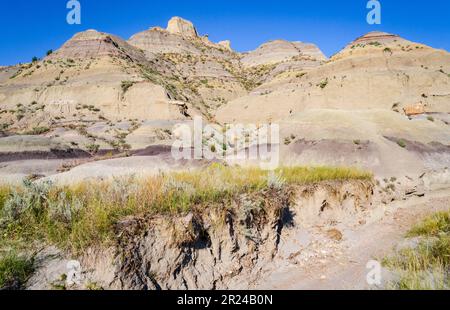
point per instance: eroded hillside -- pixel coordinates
(381, 103)
(86, 156)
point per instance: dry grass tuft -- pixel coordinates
(425, 266)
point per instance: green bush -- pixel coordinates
(38, 131)
(93, 148)
(432, 226)
(4, 126)
(126, 85)
(14, 271)
(20, 116)
(323, 83)
(401, 143)
(4, 195)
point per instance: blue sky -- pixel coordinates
(30, 28)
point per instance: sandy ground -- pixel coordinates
(342, 264)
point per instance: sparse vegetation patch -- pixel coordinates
(38, 131)
(126, 85)
(323, 83)
(401, 143)
(425, 265)
(75, 217)
(14, 270)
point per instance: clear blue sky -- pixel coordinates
(30, 28)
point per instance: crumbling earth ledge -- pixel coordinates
(220, 247)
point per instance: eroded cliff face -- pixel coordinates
(94, 44)
(278, 51)
(351, 109)
(178, 25)
(221, 247)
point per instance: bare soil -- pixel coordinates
(333, 264)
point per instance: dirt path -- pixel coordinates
(342, 264)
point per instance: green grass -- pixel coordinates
(14, 271)
(78, 216)
(4, 192)
(401, 143)
(37, 131)
(309, 175)
(432, 226)
(125, 85)
(93, 148)
(323, 83)
(375, 43)
(425, 266)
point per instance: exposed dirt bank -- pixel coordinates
(225, 247)
(317, 236)
(325, 263)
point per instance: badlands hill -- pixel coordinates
(101, 112)
(381, 103)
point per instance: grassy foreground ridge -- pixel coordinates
(14, 270)
(424, 266)
(78, 216)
